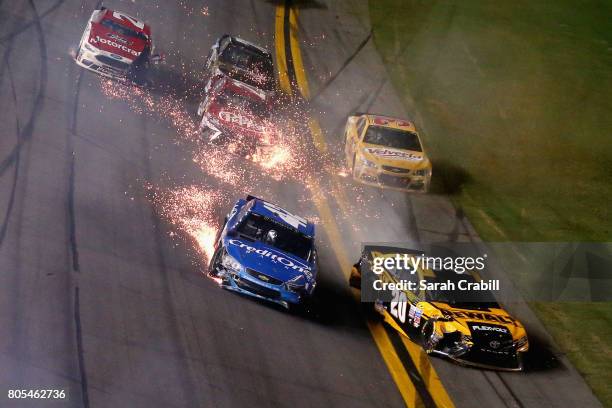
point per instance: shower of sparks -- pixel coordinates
(192, 210)
(284, 155)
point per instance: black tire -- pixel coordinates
(307, 306)
(212, 271)
(427, 331)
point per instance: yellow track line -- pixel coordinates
(392, 360)
(331, 228)
(281, 60)
(395, 366)
(296, 54)
(428, 374)
(317, 134)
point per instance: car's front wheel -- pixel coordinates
(429, 340)
(214, 262)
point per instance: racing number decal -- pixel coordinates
(293, 220)
(135, 22)
(398, 305)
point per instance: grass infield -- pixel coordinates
(514, 103)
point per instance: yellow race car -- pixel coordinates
(386, 152)
(472, 330)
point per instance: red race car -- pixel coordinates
(116, 45)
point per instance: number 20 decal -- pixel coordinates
(132, 20)
(398, 305)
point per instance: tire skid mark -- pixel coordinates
(26, 133)
(344, 65)
(30, 24)
(72, 130)
(79, 344)
(74, 250)
(189, 387)
(70, 212)
(505, 393)
(11, 202)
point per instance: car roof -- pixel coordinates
(260, 208)
(249, 44)
(390, 122)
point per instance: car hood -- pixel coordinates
(388, 156)
(268, 260)
(110, 41)
(468, 320)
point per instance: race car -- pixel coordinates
(386, 152)
(236, 111)
(242, 61)
(264, 251)
(116, 45)
(470, 329)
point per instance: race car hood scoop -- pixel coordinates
(268, 260)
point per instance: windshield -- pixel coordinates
(255, 227)
(124, 31)
(399, 139)
(249, 59)
(239, 102)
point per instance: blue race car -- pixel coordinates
(265, 251)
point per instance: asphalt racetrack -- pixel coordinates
(101, 288)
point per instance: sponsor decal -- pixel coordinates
(417, 317)
(274, 257)
(117, 45)
(240, 120)
(117, 38)
(412, 311)
(481, 316)
(490, 328)
(393, 154)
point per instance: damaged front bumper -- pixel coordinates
(406, 181)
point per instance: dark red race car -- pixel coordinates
(235, 111)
